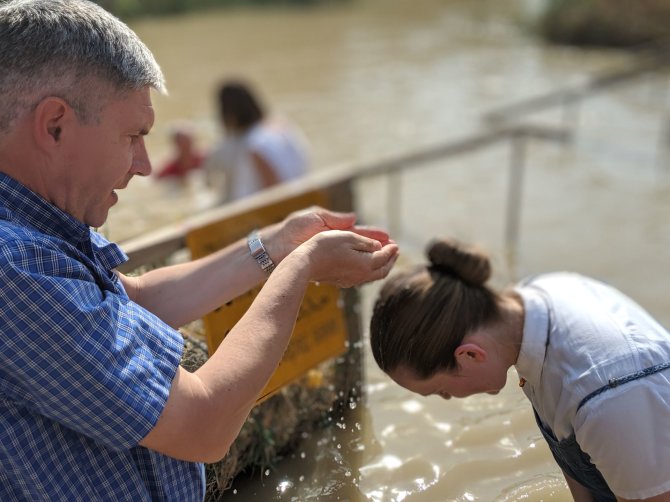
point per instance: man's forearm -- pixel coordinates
(259, 339)
(181, 293)
(206, 409)
(217, 398)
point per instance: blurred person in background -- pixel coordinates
(257, 151)
(186, 157)
(593, 363)
(94, 404)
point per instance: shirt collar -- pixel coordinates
(20, 204)
(535, 335)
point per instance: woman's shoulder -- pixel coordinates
(550, 282)
(272, 128)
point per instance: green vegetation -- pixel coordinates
(613, 23)
(133, 8)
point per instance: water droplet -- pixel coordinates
(267, 472)
(283, 486)
(352, 405)
(303, 454)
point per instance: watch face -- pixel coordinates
(259, 254)
(255, 246)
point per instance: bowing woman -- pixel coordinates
(594, 365)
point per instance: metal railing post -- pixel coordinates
(663, 141)
(571, 115)
(514, 193)
(394, 202)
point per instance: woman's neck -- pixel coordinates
(513, 313)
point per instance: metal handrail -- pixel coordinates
(651, 58)
(157, 246)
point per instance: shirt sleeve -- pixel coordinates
(78, 354)
(625, 431)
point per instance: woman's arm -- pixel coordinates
(265, 171)
(579, 492)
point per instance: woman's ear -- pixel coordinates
(48, 121)
(467, 353)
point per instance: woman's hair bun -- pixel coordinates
(466, 262)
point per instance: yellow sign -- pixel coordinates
(320, 331)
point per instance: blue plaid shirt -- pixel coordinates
(84, 371)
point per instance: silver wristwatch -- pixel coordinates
(259, 253)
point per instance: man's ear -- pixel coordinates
(470, 353)
(49, 120)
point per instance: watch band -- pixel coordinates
(259, 253)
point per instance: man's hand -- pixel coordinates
(298, 227)
(346, 258)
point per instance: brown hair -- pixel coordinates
(239, 108)
(421, 316)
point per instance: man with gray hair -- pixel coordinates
(93, 402)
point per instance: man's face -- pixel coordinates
(103, 155)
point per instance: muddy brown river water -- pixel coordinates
(376, 78)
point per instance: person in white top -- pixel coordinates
(593, 363)
(257, 151)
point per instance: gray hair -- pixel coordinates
(72, 49)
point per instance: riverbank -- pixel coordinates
(129, 9)
(605, 23)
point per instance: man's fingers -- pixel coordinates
(385, 269)
(366, 244)
(384, 259)
(337, 221)
(373, 233)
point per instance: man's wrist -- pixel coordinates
(259, 253)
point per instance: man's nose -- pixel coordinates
(141, 162)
